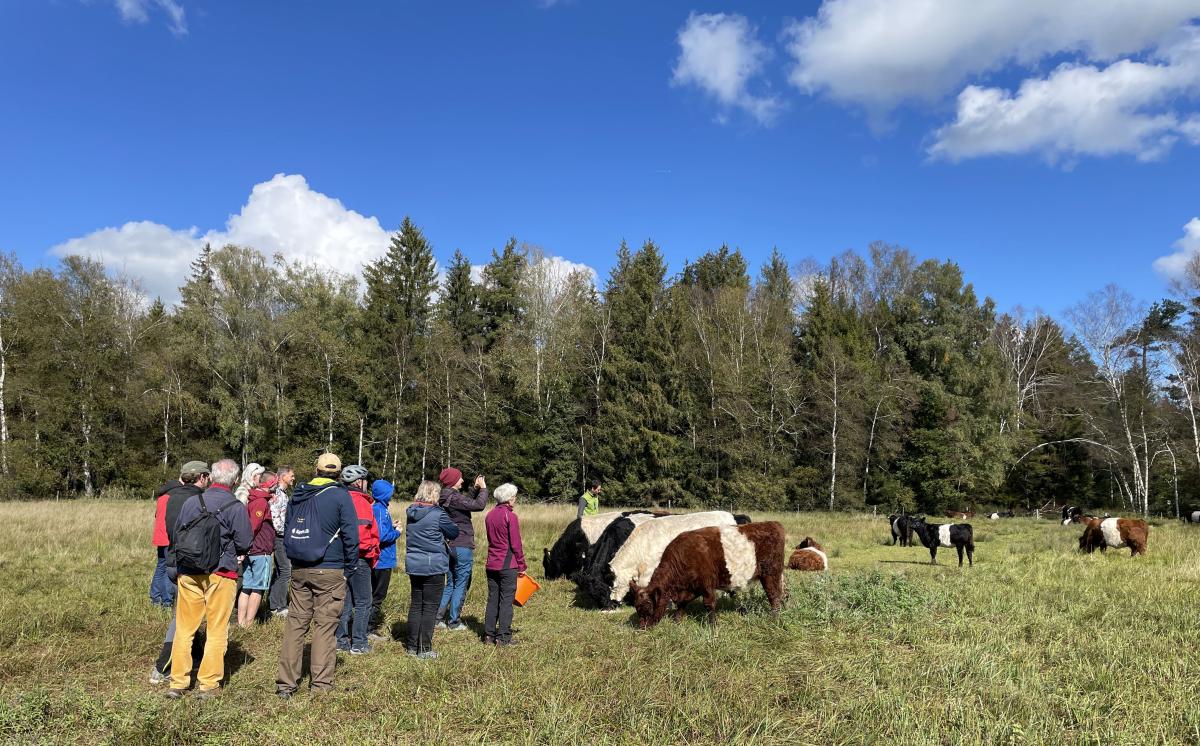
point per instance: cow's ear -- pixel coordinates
(633, 588)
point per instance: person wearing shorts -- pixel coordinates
(256, 570)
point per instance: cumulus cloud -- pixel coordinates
(1080, 110)
(879, 53)
(138, 11)
(282, 216)
(1173, 266)
(720, 54)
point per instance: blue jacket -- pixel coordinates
(335, 509)
(382, 491)
(428, 529)
(235, 525)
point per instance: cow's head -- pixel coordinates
(810, 543)
(647, 603)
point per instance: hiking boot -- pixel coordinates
(456, 627)
(428, 655)
(489, 640)
(158, 677)
(175, 693)
(506, 643)
(203, 694)
(284, 694)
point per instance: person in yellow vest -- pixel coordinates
(589, 501)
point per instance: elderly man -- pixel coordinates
(213, 529)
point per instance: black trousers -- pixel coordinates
(380, 580)
(502, 588)
(278, 598)
(422, 610)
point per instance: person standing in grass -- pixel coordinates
(459, 507)
(505, 560)
(207, 593)
(256, 570)
(193, 479)
(329, 533)
(589, 501)
(381, 576)
(426, 561)
(162, 590)
(283, 566)
(352, 638)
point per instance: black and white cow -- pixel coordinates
(1190, 516)
(569, 552)
(901, 530)
(1071, 514)
(957, 535)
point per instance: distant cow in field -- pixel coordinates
(958, 535)
(901, 530)
(809, 556)
(1072, 514)
(698, 563)
(1190, 516)
(961, 515)
(1115, 533)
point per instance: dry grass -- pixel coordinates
(1036, 644)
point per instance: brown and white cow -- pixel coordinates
(698, 563)
(1116, 533)
(809, 556)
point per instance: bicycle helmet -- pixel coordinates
(353, 473)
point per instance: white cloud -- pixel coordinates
(1172, 266)
(138, 11)
(879, 53)
(283, 215)
(720, 54)
(1080, 110)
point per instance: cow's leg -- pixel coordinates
(773, 587)
(710, 600)
(970, 556)
(933, 554)
(959, 547)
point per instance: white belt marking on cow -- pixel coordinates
(994, 516)
(740, 558)
(1112, 532)
(819, 553)
(594, 525)
(944, 534)
(896, 527)
(1196, 516)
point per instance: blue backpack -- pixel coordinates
(303, 538)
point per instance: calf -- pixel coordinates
(957, 535)
(1116, 533)
(809, 556)
(698, 563)
(901, 530)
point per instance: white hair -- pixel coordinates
(249, 474)
(505, 493)
(225, 471)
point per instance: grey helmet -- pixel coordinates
(353, 473)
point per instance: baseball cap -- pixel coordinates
(328, 462)
(193, 469)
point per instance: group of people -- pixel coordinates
(323, 555)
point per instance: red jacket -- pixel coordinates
(160, 523)
(259, 507)
(368, 530)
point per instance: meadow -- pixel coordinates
(1035, 644)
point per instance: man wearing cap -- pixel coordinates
(171, 497)
(462, 548)
(318, 589)
(193, 479)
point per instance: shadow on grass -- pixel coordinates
(906, 562)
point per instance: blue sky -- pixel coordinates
(576, 124)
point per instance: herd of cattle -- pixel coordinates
(652, 559)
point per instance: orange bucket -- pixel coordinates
(526, 586)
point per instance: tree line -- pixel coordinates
(873, 379)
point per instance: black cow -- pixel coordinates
(1071, 513)
(1191, 515)
(901, 529)
(596, 578)
(957, 535)
(568, 553)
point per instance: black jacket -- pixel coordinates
(176, 497)
(460, 507)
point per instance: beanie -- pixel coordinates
(449, 476)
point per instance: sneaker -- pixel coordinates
(343, 648)
(506, 643)
(457, 627)
(428, 655)
(440, 625)
(284, 694)
(373, 637)
(411, 653)
(203, 694)
(175, 693)
(279, 613)
(360, 651)
(158, 677)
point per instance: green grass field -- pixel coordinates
(1036, 644)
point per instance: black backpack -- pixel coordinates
(198, 542)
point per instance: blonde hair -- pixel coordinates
(505, 493)
(428, 492)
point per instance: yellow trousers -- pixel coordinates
(200, 598)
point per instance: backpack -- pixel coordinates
(198, 542)
(303, 540)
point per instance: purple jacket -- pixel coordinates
(505, 550)
(460, 507)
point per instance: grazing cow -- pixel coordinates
(638, 557)
(901, 530)
(1116, 533)
(569, 553)
(595, 577)
(962, 515)
(1190, 516)
(1072, 514)
(700, 562)
(957, 535)
(809, 556)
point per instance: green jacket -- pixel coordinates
(589, 504)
